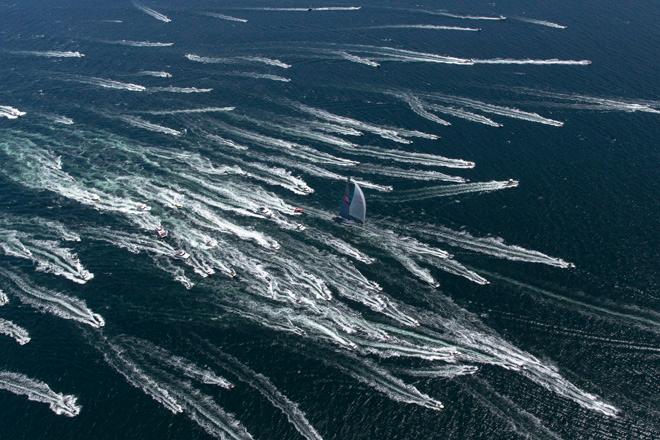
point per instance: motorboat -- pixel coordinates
(265, 211)
(143, 207)
(298, 210)
(161, 232)
(181, 254)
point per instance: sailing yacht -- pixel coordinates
(353, 207)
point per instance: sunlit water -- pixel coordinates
(505, 283)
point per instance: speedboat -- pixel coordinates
(161, 232)
(265, 211)
(181, 254)
(208, 270)
(511, 182)
(300, 227)
(143, 207)
(298, 210)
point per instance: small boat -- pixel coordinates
(265, 211)
(298, 210)
(143, 207)
(208, 270)
(181, 254)
(511, 182)
(353, 206)
(300, 227)
(95, 197)
(161, 232)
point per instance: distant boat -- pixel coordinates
(353, 207)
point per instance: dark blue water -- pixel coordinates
(480, 311)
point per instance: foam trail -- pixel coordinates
(399, 135)
(36, 391)
(417, 106)
(433, 27)
(225, 17)
(48, 256)
(468, 17)
(463, 114)
(357, 59)
(267, 389)
(59, 119)
(288, 147)
(52, 302)
(498, 110)
(115, 357)
(444, 371)
(191, 110)
(528, 61)
(340, 246)
(413, 158)
(545, 23)
(183, 365)
(176, 395)
(596, 103)
(269, 61)
(155, 14)
(4, 300)
(452, 190)
(146, 125)
(108, 83)
(256, 75)
(51, 53)
(409, 56)
(317, 9)
(379, 379)
(237, 60)
(226, 142)
(155, 73)
(12, 330)
(174, 89)
(494, 246)
(408, 174)
(134, 43)
(10, 112)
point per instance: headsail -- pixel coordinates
(353, 205)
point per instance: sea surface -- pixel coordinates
(504, 285)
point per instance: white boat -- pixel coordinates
(161, 232)
(143, 207)
(181, 254)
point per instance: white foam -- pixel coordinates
(191, 110)
(357, 59)
(433, 27)
(12, 330)
(155, 73)
(146, 125)
(52, 53)
(225, 17)
(174, 89)
(451, 190)
(266, 388)
(108, 83)
(533, 62)
(10, 112)
(545, 23)
(36, 391)
(52, 302)
(134, 43)
(153, 13)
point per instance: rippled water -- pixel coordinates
(505, 283)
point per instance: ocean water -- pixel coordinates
(505, 284)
